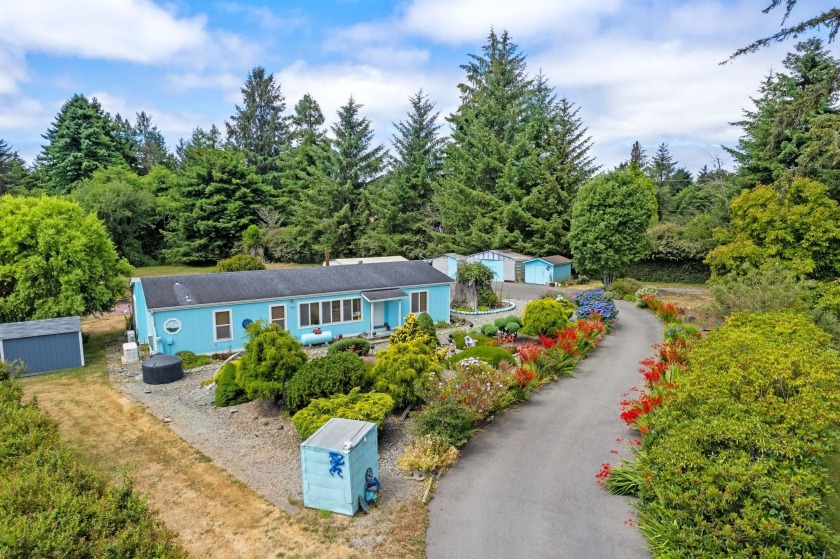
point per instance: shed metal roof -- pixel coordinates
(232, 287)
(338, 431)
(366, 260)
(555, 260)
(34, 328)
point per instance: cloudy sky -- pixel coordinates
(639, 70)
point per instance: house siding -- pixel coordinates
(197, 332)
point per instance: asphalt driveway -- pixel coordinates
(525, 486)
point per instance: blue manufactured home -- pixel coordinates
(208, 313)
(548, 269)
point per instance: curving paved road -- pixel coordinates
(526, 487)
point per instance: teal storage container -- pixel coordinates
(334, 464)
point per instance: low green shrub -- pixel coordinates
(448, 419)
(240, 263)
(441, 324)
(623, 288)
(488, 298)
(488, 354)
(191, 360)
(546, 316)
(51, 506)
(489, 330)
(429, 453)
(732, 461)
(403, 370)
(228, 393)
(338, 373)
(512, 327)
(427, 325)
(458, 336)
(359, 346)
(501, 322)
(373, 407)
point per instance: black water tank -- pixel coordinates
(161, 369)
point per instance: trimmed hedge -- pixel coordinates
(732, 461)
(50, 506)
(191, 360)
(338, 373)
(488, 354)
(372, 407)
(546, 316)
(359, 346)
(489, 330)
(669, 272)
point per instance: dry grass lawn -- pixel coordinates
(214, 514)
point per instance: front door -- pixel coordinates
(378, 314)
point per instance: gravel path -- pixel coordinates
(252, 441)
(525, 486)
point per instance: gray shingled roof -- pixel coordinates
(33, 328)
(384, 294)
(231, 287)
(556, 259)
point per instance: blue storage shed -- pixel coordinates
(337, 462)
(448, 263)
(43, 345)
(507, 265)
(548, 269)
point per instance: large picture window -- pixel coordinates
(420, 302)
(278, 315)
(222, 329)
(323, 313)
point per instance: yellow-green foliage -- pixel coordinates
(429, 453)
(372, 407)
(403, 370)
(240, 263)
(732, 465)
(191, 360)
(228, 392)
(412, 330)
(272, 356)
(50, 506)
(546, 316)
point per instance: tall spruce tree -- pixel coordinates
(661, 170)
(785, 135)
(80, 141)
(359, 163)
(400, 205)
(259, 127)
(150, 146)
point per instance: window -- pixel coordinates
(322, 313)
(420, 302)
(172, 326)
(222, 326)
(277, 315)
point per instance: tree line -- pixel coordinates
(506, 175)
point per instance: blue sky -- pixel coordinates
(639, 70)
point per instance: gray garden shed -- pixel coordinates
(43, 345)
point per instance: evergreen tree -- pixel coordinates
(400, 205)
(14, 176)
(358, 163)
(219, 198)
(307, 119)
(80, 140)
(123, 133)
(259, 127)
(661, 170)
(785, 134)
(150, 147)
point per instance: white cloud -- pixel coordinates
(383, 92)
(131, 30)
(264, 17)
(12, 71)
(460, 21)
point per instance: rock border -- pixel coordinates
(491, 311)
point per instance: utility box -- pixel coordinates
(337, 463)
(130, 353)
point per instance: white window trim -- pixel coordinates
(320, 311)
(215, 330)
(411, 301)
(167, 321)
(285, 314)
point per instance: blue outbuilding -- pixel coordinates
(448, 263)
(43, 345)
(548, 269)
(339, 464)
(208, 313)
(506, 265)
